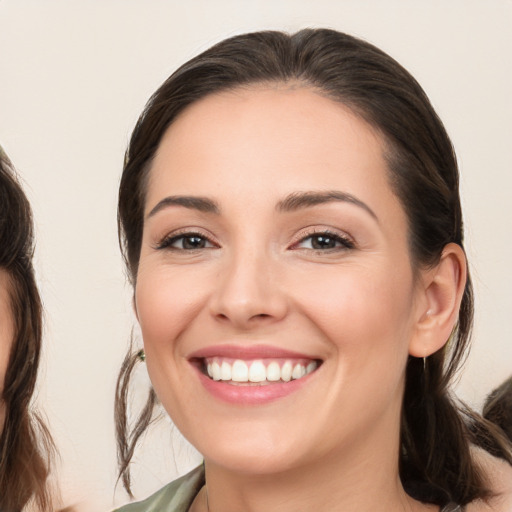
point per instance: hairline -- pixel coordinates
(388, 148)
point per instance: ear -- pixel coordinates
(441, 291)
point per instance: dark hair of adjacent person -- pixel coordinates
(26, 447)
(498, 407)
(435, 460)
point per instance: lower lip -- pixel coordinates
(251, 394)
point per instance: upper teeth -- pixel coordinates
(258, 370)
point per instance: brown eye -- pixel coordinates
(325, 241)
(185, 242)
(192, 242)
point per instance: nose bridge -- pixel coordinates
(248, 290)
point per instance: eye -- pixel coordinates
(186, 242)
(324, 241)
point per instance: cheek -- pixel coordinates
(4, 358)
(361, 311)
(364, 319)
(166, 301)
(6, 337)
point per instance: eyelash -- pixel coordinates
(168, 241)
(343, 242)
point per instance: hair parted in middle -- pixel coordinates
(435, 460)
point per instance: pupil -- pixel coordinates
(323, 242)
(193, 242)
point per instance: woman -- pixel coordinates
(26, 447)
(291, 223)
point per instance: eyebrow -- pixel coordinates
(202, 204)
(293, 202)
(299, 200)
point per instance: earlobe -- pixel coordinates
(443, 288)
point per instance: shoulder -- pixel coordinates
(174, 497)
(499, 476)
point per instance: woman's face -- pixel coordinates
(275, 291)
(6, 334)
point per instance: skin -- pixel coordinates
(6, 334)
(360, 308)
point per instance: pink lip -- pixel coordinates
(248, 394)
(248, 352)
(251, 395)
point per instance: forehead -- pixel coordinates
(272, 139)
(269, 116)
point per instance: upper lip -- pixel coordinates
(248, 352)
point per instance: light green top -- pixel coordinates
(174, 497)
(179, 495)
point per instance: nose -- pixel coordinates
(248, 293)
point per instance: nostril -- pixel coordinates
(246, 310)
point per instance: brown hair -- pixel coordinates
(26, 447)
(435, 460)
(498, 407)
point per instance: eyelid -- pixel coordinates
(306, 233)
(169, 238)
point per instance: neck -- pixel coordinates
(359, 480)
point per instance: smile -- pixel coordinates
(257, 372)
(252, 375)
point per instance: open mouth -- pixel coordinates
(257, 371)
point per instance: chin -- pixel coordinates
(254, 462)
(258, 450)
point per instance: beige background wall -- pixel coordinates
(74, 76)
